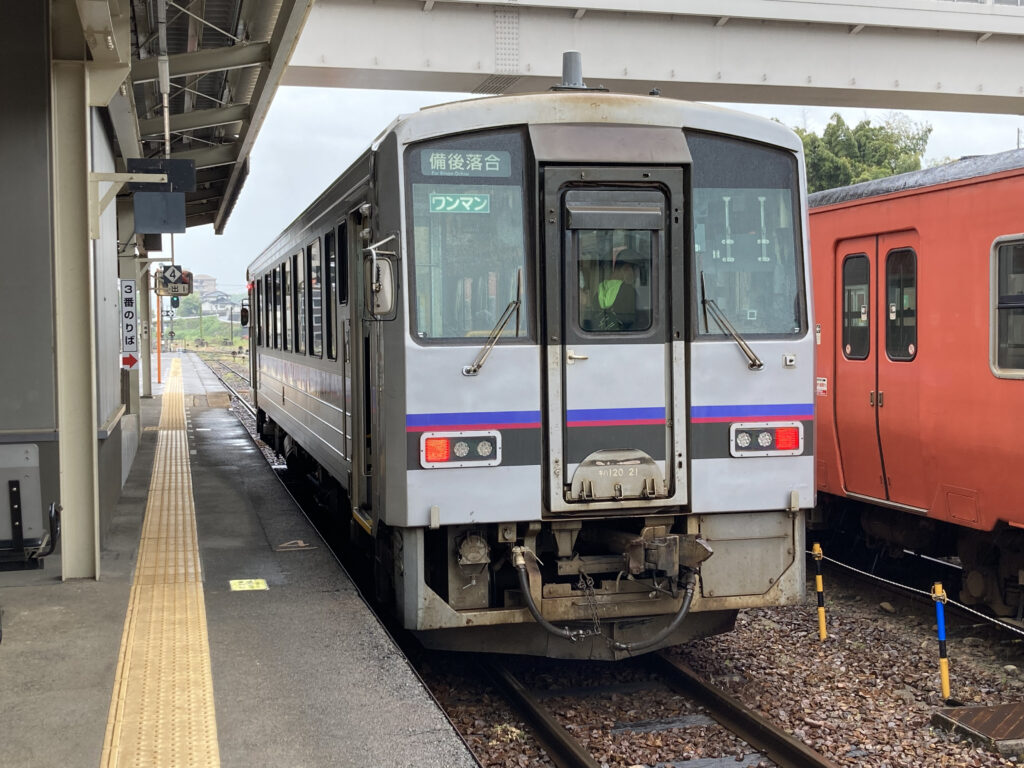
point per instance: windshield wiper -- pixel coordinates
(514, 306)
(755, 363)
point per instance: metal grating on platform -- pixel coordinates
(162, 709)
(1000, 726)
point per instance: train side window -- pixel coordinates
(331, 259)
(268, 311)
(279, 342)
(286, 304)
(316, 332)
(261, 311)
(856, 307)
(1008, 311)
(301, 303)
(257, 312)
(342, 263)
(901, 305)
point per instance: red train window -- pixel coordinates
(901, 305)
(856, 307)
(1008, 338)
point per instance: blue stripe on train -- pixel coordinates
(478, 420)
(777, 411)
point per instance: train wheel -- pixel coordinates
(298, 461)
(981, 583)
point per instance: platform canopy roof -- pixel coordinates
(225, 60)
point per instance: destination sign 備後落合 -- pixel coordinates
(441, 162)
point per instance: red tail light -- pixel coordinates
(437, 449)
(787, 438)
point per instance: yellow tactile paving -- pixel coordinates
(162, 710)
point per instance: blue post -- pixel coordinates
(939, 596)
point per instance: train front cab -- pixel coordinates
(574, 454)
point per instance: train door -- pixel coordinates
(256, 329)
(898, 386)
(337, 326)
(875, 395)
(856, 369)
(362, 334)
(613, 382)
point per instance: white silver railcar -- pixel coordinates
(553, 352)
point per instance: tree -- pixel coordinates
(844, 155)
(189, 306)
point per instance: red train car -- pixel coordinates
(919, 300)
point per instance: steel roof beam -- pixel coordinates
(212, 175)
(200, 218)
(210, 156)
(126, 129)
(201, 196)
(474, 47)
(209, 60)
(938, 15)
(198, 118)
(200, 207)
(106, 32)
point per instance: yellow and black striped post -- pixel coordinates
(820, 587)
(939, 596)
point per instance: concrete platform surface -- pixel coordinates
(303, 674)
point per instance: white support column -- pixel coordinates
(145, 339)
(75, 322)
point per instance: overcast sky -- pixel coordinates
(311, 135)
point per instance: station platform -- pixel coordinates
(221, 631)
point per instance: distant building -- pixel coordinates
(215, 302)
(204, 284)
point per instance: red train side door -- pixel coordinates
(898, 391)
(876, 386)
(857, 367)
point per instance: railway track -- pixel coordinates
(657, 674)
(230, 376)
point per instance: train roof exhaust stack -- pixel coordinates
(572, 70)
(572, 74)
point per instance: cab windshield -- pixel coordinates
(746, 236)
(469, 243)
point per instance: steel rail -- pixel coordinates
(208, 358)
(562, 747)
(753, 728)
(248, 406)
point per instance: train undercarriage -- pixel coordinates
(991, 563)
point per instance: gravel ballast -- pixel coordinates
(863, 697)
